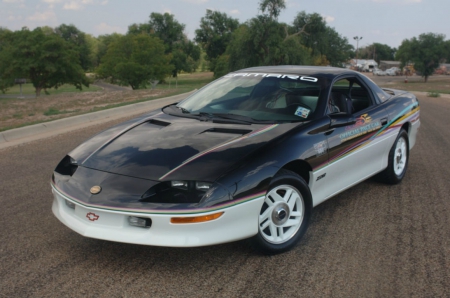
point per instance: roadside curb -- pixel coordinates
(30, 133)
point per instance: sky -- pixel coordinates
(383, 21)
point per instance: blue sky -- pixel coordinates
(384, 21)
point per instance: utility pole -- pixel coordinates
(357, 38)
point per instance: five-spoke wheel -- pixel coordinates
(284, 214)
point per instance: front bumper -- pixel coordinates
(238, 222)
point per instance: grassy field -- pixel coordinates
(437, 86)
(68, 101)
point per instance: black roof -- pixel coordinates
(317, 71)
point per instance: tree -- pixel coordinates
(103, 43)
(272, 7)
(264, 41)
(185, 54)
(5, 40)
(135, 60)
(78, 40)
(378, 52)
(46, 60)
(426, 52)
(325, 43)
(215, 34)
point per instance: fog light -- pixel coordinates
(70, 204)
(139, 222)
(195, 219)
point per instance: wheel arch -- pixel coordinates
(299, 167)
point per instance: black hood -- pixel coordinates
(164, 147)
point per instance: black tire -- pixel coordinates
(398, 160)
(288, 216)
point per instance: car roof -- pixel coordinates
(315, 71)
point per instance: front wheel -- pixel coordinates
(284, 215)
(398, 160)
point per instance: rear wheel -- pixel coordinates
(284, 215)
(398, 160)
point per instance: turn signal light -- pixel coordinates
(195, 219)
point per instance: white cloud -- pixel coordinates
(195, 1)
(328, 19)
(77, 4)
(43, 17)
(235, 11)
(105, 2)
(73, 5)
(51, 1)
(104, 28)
(13, 1)
(397, 1)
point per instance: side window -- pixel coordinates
(348, 95)
(360, 97)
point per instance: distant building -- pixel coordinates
(385, 64)
(366, 65)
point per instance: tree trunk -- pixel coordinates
(38, 91)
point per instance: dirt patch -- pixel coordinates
(16, 112)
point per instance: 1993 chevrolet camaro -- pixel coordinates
(247, 156)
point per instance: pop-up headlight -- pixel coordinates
(204, 186)
(180, 184)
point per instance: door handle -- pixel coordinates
(384, 121)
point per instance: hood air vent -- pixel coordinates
(229, 131)
(159, 122)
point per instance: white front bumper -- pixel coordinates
(237, 222)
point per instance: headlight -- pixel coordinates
(177, 191)
(180, 184)
(203, 185)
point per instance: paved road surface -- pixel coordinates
(370, 241)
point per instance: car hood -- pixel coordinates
(162, 147)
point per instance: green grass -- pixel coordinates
(28, 89)
(417, 84)
(52, 111)
(433, 94)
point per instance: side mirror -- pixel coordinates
(341, 119)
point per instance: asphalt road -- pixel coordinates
(373, 240)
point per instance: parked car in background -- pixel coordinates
(379, 72)
(393, 71)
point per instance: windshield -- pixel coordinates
(257, 96)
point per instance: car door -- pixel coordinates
(355, 150)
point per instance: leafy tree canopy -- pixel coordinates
(272, 7)
(135, 60)
(185, 54)
(325, 43)
(426, 52)
(214, 34)
(378, 52)
(47, 60)
(103, 43)
(78, 39)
